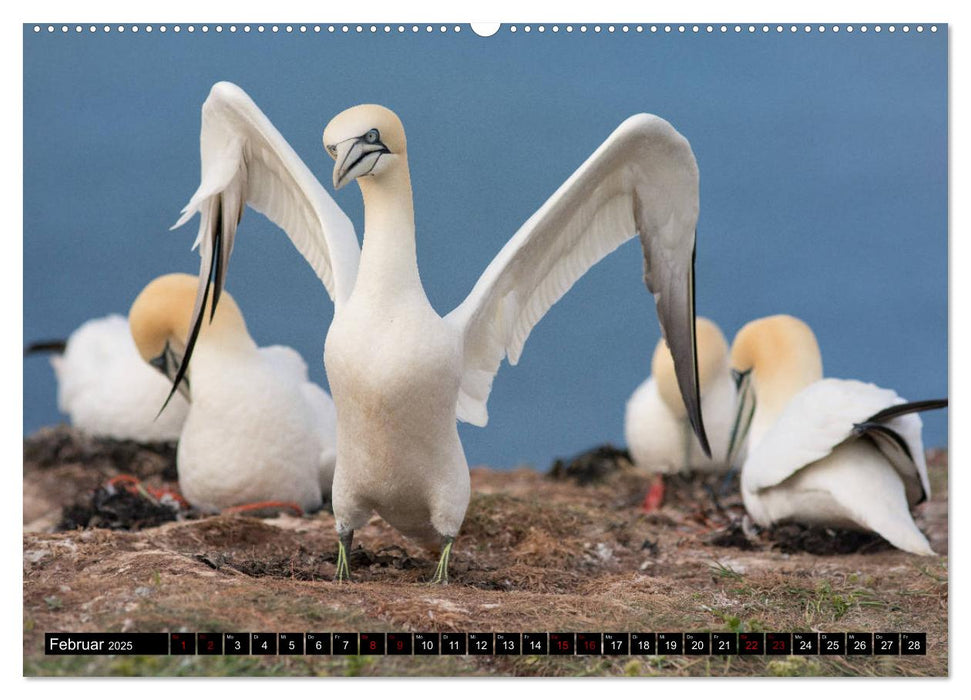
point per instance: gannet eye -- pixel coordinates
(372, 136)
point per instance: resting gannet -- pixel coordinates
(830, 452)
(401, 375)
(106, 389)
(257, 430)
(656, 425)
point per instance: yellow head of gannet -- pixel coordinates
(831, 452)
(364, 141)
(159, 321)
(712, 351)
(773, 359)
(656, 426)
(257, 429)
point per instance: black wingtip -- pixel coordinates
(890, 442)
(194, 330)
(694, 412)
(189, 346)
(41, 346)
(905, 408)
(167, 399)
(218, 265)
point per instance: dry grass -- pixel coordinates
(534, 555)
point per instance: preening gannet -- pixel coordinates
(831, 452)
(257, 430)
(106, 389)
(656, 425)
(401, 375)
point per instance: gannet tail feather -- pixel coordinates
(905, 408)
(54, 346)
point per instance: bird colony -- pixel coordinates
(252, 429)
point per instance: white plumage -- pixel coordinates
(656, 427)
(106, 389)
(257, 429)
(401, 375)
(833, 452)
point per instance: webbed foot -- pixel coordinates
(343, 550)
(441, 573)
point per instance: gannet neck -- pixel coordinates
(218, 359)
(388, 257)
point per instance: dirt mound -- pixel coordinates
(536, 553)
(593, 465)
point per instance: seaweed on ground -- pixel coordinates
(118, 509)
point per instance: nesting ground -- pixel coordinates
(536, 553)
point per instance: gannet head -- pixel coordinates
(772, 359)
(712, 357)
(364, 141)
(159, 321)
(781, 351)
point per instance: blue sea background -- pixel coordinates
(823, 160)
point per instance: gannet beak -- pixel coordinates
(744, 410)
(355, 158)
(168, 363)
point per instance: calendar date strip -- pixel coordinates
(487, 643)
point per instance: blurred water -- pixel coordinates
(823, 165)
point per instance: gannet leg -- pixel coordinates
(726, 485)
(655, 494)
(441, 573)
(260, 505)
(344, 540)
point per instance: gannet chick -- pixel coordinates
(257, 430)
(401, 374)
(656, 425)
(106, 389)
(828, 452)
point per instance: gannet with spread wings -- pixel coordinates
(400, 374)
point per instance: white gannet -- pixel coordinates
(830, 452)
(106, 389)
(257, 429)
(401, 375)
(656, 427)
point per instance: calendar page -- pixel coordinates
(533, 349)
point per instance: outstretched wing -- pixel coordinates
(245, 161)
(642, 180)
(831, 411)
